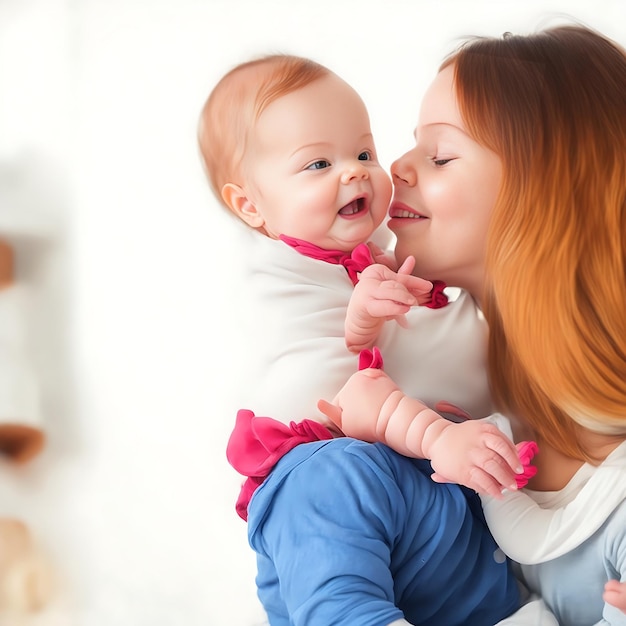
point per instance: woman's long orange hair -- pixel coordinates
(552, 105)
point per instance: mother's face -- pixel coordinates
(444, 191)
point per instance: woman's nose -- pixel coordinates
(402, 172)
(354, 172)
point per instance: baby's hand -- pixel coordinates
(382, 294)
(615, 594)
(371, 407)
(473, 453)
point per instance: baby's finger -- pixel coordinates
(505, 448)
(386, 308)
(408, 265)
(497, 468)
(424, 297)
(478, 481)
(331, 411)
(482, 481)
(414, 283)
(394, 292)
(439, 478)
(422, 292)
(402, 321)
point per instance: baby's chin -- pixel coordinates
(343, 245)
(350, 242)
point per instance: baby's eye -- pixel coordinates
(318, 165)
(365, 156)
(441, 162)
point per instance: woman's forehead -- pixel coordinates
(439, 104)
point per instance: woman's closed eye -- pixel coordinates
(440, 162)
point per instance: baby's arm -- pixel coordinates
(615, 595)
(382, 294)
(371, 407)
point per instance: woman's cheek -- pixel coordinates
(442, 198)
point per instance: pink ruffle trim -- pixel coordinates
(257, 444)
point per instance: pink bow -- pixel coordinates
(370, 358)
(438, 298)
(354, 262)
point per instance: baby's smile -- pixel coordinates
(357, 206)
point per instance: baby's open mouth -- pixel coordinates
(358, 205)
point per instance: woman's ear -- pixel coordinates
(238, 202)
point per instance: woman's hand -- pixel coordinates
(615, 594)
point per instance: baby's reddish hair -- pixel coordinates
(236, 103)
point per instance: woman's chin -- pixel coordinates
(403, 251)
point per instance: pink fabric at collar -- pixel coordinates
(354, 262)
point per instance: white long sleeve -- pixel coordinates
(531, 532)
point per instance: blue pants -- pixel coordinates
(351, 533)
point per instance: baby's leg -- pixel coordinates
(353, 533)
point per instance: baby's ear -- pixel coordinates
(238, 202)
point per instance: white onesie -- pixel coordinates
(296, 349)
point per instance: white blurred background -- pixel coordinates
(132, 327)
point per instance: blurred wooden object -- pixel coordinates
(25, 577)
(6, 264)
(19, 441)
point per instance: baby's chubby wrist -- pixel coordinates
(413, 421)
(433, 432)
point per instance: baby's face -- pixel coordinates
(312, 167)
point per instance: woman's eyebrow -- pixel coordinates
(442, 127)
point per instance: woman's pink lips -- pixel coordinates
(397, 211)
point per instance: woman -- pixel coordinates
(538, 124)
